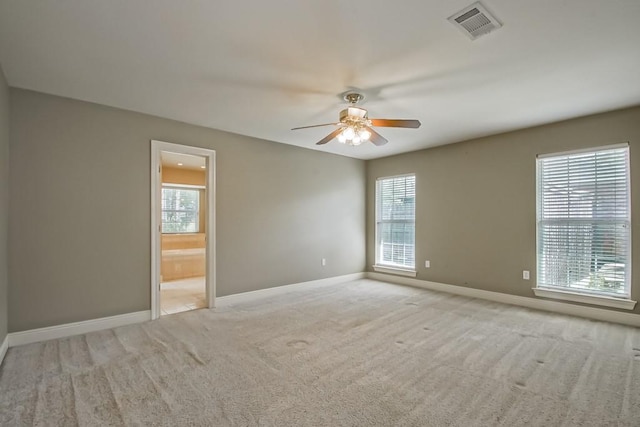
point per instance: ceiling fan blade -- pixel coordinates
(395, 123)
(316, 126)
(329, 137)
(376, 138)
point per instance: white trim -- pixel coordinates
(69, 329)
(4, 347)
(252, 295)
(76, 328)
(157, 147)
(394, 270)
(61, 331)
(606, 301)
(534, 303)
(584, 150)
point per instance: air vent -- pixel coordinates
(475, 21)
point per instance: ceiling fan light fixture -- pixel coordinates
(353, 136)
(349, 133)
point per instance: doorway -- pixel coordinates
(182, 228)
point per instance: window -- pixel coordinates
(395, 222)
(584, 222)
(180, 210)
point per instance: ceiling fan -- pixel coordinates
(355, 126)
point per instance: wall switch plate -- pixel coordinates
(525, 274)
(324, 262)
(427, 264)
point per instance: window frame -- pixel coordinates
(386, 267)
(622, 301)
(198, 189)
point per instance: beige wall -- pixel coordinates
(4, 203)
(476, 201)
(280, 209)
(183, 176)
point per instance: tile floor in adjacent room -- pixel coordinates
(183, 295)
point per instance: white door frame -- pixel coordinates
(157, 147)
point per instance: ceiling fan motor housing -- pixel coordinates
(353, 114)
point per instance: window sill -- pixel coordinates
(625, 304)
(394, 270)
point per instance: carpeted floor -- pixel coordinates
(359, 353)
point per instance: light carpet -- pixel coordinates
(354, 354)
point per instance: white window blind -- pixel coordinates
(180, 210)
(395, 221)
(584, 222)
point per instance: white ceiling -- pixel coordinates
(259, 68)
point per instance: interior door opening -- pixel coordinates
(183, 275)
(183, 228)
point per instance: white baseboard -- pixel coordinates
(538, 304)
(61, 331)
(69, 329)
(3, 348)
(77, 328)
(248, 296)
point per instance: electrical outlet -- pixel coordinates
(525, 274)
(427, 264)
(324, 262)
